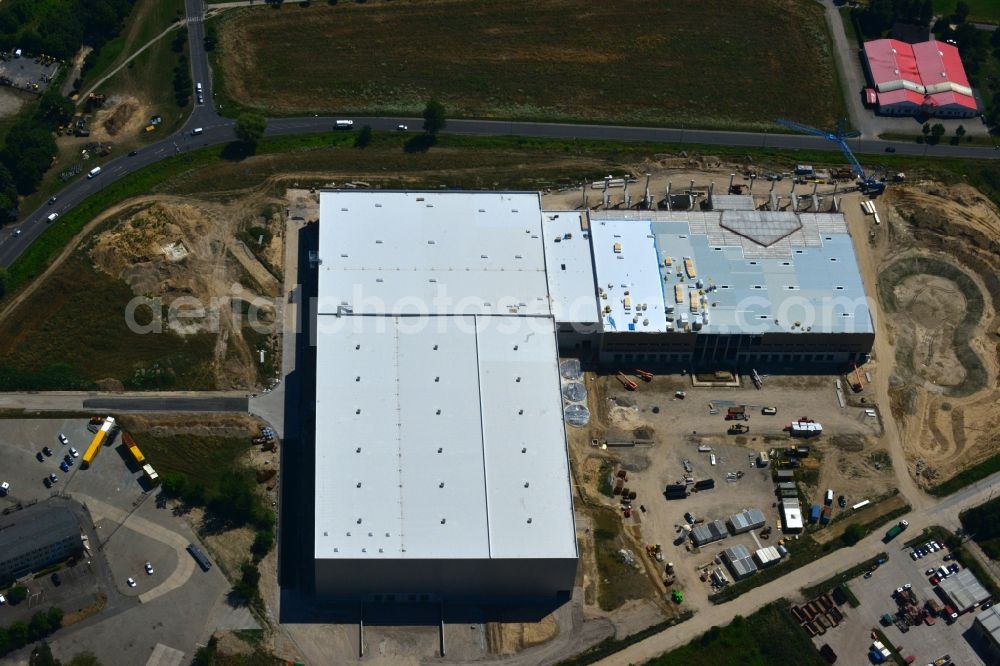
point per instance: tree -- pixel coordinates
(38, 627)
(18, 635)
(961, 12)
(211, 37)
(174, 484)
(262, 543)
(926, 12)
(179, 41)
(960, 131)
(937, 131)
(926, 129)
(42, 656)
(55, 617)
(250, 128)
(853, 534)
(54, 109)
(364, 137)
(84, 659)
(17, 594)
(434, 117)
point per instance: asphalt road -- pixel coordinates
(218, 130)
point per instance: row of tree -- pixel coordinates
(60, 27)
(19, 634)
(880, 15)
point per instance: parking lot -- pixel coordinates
(851, 639)
(179, 605)
(28, 73)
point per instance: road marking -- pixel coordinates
(165, 656)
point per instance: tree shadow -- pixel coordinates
(237, 151)
(420, 143)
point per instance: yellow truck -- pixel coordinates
(99, 437)
(133, 449)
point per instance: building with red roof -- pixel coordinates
(912, 79)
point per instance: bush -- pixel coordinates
(17, 594)
(853, 533)
(262, 543)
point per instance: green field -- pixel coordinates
(986, 11)
(71, 333)
(769, 636)
(706, 63)
(202, 459)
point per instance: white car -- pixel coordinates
(131, 582)
(63, 439)
(4, 488)
(2, 600)
(402, 128)
(73, 452)
(149, 569)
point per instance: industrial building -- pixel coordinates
(35, 537)
(439, 322)
(913, 79)
(739, 561)
(987, 626)
(963, 591)
(441, 463)
(747, 520)
(709, 532)
(769, 555)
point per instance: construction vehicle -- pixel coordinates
(867, 183)
(644, 375)
(99, 437)
(738, 429)
(895, 531)
(626, 382)
(677, 596)
(148, 473)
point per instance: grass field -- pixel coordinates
(706, 63)
(202, 459)
(71, 333)
(987, 11)
(147, 19)
(767, 637)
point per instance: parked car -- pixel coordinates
(4, 488)
(2, 600)
(56, 579)
(47, 451)
(841, 501)
(769, 411)
(929, 572)
(41, 458)
(53, 478)
(949, 556)
(954, 568)
(63, 439)
(73, 452)
(149, 569)
(130, 581)
(935, 580)
(64, 466)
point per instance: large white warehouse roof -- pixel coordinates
(438, 436)
(431, 253)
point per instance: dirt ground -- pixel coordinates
(121, 117)
(10, 102)
(186, 253)
(848, 459)
(941, 433)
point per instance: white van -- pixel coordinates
(197, 86)
(344, 124)
(93, 172)
(197, 130)
(711, 458)
(52, 217)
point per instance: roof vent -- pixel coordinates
(358, 378)
(430, 242)
(444, 520)
(357, 450)
(520, 412)
(440, 449)
(482, 210)
(359, 521)
(378, 242)
(529, 521)
(518, 380)
(357, 347)
(435, 347)
(359, 484)
(438, 413)
(437, 379)
(524, 449)
(357, 411)
(441, 485)
(526, 484)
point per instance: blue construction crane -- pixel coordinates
(868, 182)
